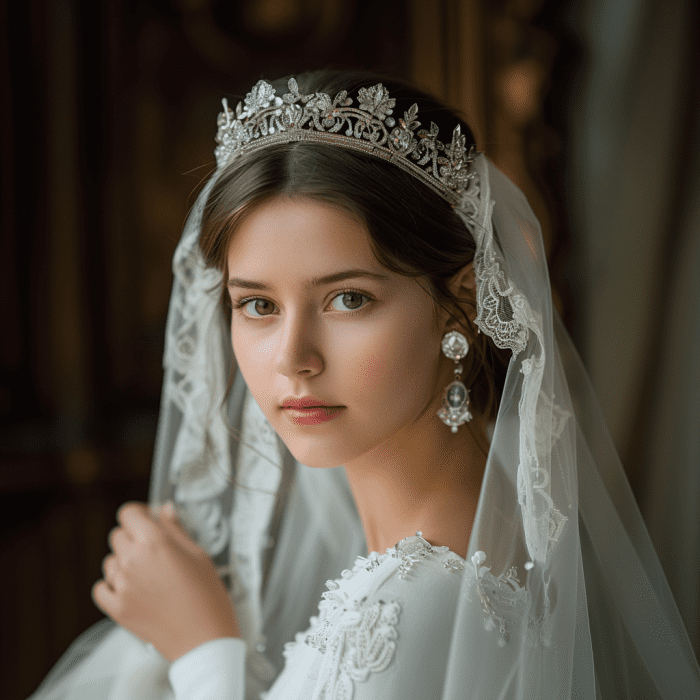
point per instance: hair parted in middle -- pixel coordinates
(413, 230)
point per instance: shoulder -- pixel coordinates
(414, 573)
(385, 626)
(424, 580)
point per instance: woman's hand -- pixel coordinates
(162, 586)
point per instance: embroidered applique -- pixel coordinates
(501, 598)
(356, 639)
(506, 604)
(411, 550)
(408, 551)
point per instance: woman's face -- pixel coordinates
(318, 321)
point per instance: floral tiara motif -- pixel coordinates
(264, 119)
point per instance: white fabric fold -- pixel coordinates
(214, 670)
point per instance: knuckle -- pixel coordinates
(126, 560)
(109, 565)
(118, 608)
(112, 537)
(154, 538)
(128, 508)
(98, 594)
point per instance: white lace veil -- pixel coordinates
(562, 595)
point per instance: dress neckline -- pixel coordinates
(408, 551)
(414, 544)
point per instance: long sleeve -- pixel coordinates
(214, 670)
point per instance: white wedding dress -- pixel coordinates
(375, 622)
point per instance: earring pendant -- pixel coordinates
(455, 404)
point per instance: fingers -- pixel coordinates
(140, 525)
(119, 540)
(136, 520)
(110, 569)
(104, 597)
(174, 529)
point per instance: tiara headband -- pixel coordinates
(455, 173)
(264, 119)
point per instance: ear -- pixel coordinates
(463, 286)
(465, 281)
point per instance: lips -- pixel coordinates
(308, 410)
(306, 402)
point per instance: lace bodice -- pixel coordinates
(372, 622)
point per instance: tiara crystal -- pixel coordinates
(263, 119)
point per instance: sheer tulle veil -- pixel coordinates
(562, 594)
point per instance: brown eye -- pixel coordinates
(259, 307)
(348, 301)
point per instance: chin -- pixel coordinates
(321, 451)
(319, 456)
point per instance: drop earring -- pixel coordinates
(455, 405)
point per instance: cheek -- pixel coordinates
(396, 366)
(254, 357)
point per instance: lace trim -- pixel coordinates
(501, 310)
(506, 603)
(506, 316)
(199, 465)
(409, 551)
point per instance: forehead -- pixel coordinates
(299, 234)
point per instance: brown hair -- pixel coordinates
(413, 230)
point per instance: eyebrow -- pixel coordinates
(314, 282)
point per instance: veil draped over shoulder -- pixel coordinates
(562, 594)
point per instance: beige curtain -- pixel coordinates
(634, 187)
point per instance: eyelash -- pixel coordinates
(240, 303)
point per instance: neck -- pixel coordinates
(424, 478)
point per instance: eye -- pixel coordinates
(258, 307)
(349, 301)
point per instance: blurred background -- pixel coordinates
(107, 121)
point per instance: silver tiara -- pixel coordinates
(263, 119)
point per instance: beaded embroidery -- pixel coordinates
(355, 638)
(411, 550)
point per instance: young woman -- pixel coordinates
(366, 385)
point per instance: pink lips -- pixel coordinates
(308, 410)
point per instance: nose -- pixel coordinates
(297, 353)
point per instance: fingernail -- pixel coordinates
(169, 508)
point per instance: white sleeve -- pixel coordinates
(214, 670)
(422, 636)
